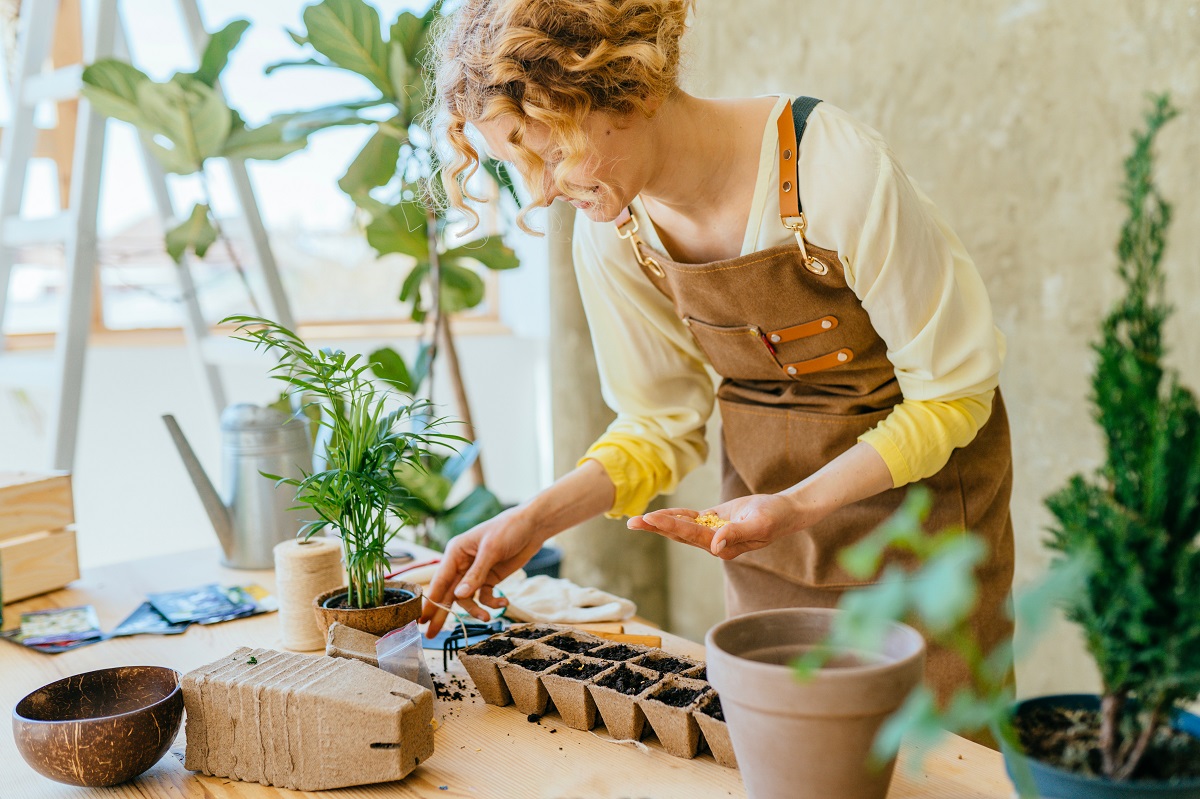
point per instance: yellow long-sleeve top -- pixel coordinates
(913, 276)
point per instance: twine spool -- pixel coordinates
(304, 569)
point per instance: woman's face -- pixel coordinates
(613, 174)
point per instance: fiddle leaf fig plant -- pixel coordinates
(185, 122)
(357, 494)
(393, 181)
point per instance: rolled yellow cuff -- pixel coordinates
(636, 469)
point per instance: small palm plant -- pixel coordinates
(371, 437)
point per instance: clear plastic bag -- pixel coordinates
(400, 653)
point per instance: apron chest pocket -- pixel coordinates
(738, 352)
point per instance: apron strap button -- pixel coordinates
(791, 370)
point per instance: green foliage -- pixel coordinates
(938, 597)
(392, 178)
(357, 494)
(184, 122)
(1139, 516)
(431, 480)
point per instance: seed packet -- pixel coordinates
(59, 625)
(253, 594)
(205, 605)
(14, 635)
(147, 620)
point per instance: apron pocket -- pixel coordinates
(737, 352)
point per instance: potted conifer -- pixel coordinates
(1137, 519)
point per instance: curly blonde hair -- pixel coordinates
(551, 62)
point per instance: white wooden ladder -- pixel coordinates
(75, 227)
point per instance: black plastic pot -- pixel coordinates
(547, 561)
(1057, 783)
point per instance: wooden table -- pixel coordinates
(481, 751)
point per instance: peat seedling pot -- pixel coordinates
(522, 670)
(711, 718)
(668, 708)
(403, 605)
(567, 685)
(481, 662)
(1056, 782)
(808, 740)
(615, 693)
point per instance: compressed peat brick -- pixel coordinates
(522, 670)
(668, 709)
(481, 662)
(615, 693)
(567, 685)
(304, 723)
(711, 718)
(346, 642)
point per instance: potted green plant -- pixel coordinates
(1137, 518)
(356, 494)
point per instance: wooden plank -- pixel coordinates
(34, 502)
(34, 564)
(480, 750)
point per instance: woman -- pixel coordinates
(778, 242)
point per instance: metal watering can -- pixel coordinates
(251, 515)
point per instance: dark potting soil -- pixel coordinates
(619, 652)
(1070, 739)
(573, 645)
(531, 632)
(391, 596)
(537, 664)
(492, 647)
(667, 665)
(713, 708)
(578, 670)
(701, 675)
(677, 696)
(625, 680)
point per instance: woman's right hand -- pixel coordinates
(476, 561)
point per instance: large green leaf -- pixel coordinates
(111, 86)
(389, 365)
(490, 252)
(302, 62)
(190, 115)
(425, 484)
(196, 233)
(375, 164)
(408, 31)
(347, 32)
(461, 288)
(401, 229)
(216, 52)
(297, 125)
(266, 142)
(478, 506)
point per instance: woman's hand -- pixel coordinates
(476, 561)
(754, 522)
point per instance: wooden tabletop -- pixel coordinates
(481, 751)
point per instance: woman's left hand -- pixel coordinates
(754, 522)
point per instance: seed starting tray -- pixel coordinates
(590, 680)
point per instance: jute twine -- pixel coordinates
(304, 569)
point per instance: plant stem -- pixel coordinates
(460, 393)
(1110, 714)
(233, 258)
(1143, 742)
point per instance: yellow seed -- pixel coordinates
(712, 521)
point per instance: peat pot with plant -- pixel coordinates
(370, 432)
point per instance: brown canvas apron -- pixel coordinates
(804, 375)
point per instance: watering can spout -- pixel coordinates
(218, 513)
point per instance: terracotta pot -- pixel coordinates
(100, 728)
(807, 740)
(1053, 781)
(376, 621)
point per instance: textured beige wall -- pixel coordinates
(1014, 116)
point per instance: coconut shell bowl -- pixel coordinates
(102, 727)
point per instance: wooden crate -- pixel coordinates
(37, 534)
